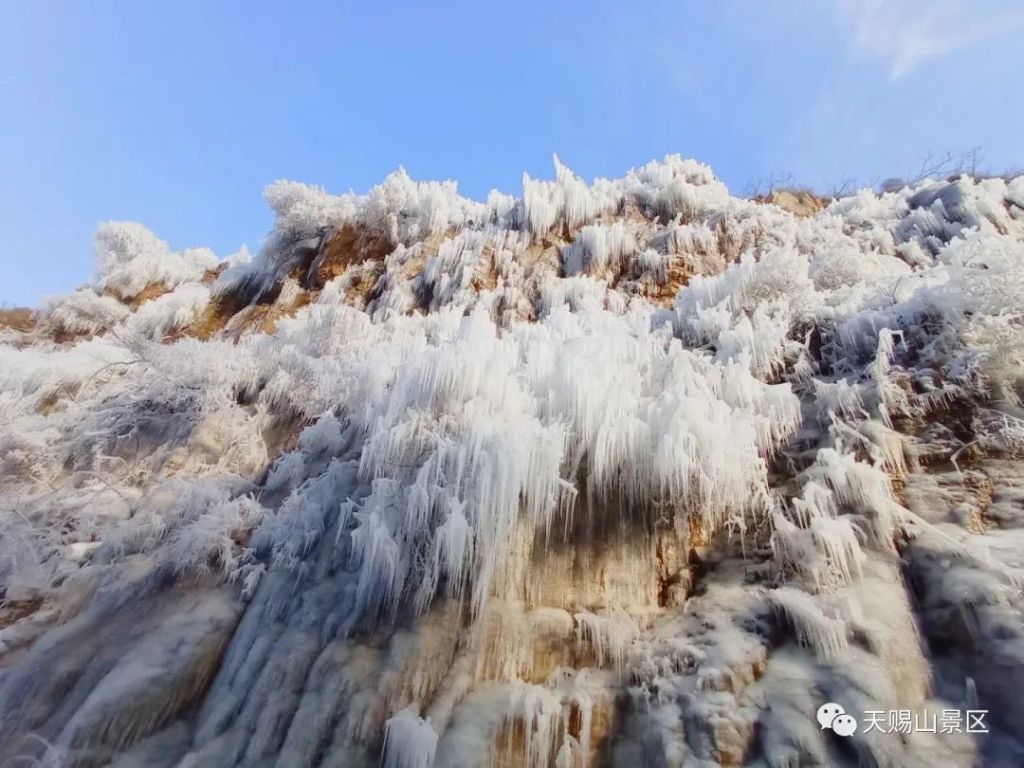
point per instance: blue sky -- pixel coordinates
(177, 115)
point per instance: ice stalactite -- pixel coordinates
(409, 741)
(597, 248)
(609, 634)
(827, 635)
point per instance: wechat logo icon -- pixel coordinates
(834, 717)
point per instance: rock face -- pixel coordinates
(17, 319)
(798, 202)
(633, 473)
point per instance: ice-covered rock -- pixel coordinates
(630, 472)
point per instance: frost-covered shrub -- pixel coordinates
(303, 209)
(85, 312)
(833, 270)
(129, 257)
(406, 211)
(210, 538)
(677, 186)
(747, 311)
(156, 318)
(780, 275)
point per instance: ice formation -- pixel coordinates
(631, 473)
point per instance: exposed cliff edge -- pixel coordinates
(630, 473)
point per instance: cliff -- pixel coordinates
(630, 473)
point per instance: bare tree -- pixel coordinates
(844, 187)
(765, 185)
(932, 165)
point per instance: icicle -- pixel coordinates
(610, 634)
(827, 636)
(378, 556)
(540, 713)
(453, 548)
(892, 399)
(837, 538)
(598, 248)
(838, 397)
(866, 488)
(409, 741)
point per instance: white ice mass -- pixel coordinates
(629, 473)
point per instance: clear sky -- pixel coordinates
(177, 114)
